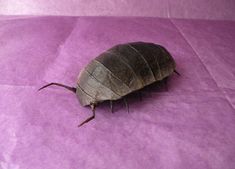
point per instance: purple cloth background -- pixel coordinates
(192, 125)
(203, 9)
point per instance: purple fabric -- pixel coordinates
(192, 125)
(203, 9)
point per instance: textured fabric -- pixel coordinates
(192, 125)
(201, 9)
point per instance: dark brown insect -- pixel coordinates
(121, 70)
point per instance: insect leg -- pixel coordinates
(177, 72)
(111, 106)
(73, 89)
(126, 103)
(90, 118)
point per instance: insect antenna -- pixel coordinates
(73, 89)
(177, 72)
(90, 118)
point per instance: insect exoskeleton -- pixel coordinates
(119, 71)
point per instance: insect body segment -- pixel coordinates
(121, 70)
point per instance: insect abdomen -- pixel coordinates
(122, 70)
(158, 58)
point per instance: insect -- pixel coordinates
(121, 70)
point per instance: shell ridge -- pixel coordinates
(82, 90)
(101, 83)
(137, 77)
(160, 73)
(132, 47)
(113, 74)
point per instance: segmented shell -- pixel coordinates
(121, 70)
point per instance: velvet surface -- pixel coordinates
(192, 125)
